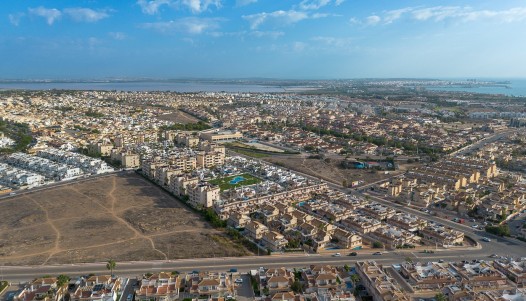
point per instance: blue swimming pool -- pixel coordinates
(236, 180)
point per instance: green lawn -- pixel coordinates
(224, 183)
(251, 153)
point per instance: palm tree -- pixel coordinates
(111, 265)
(440, 297)
(355, 279)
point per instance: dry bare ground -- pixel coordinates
(330, 170)
(179, 117)
(123, 217)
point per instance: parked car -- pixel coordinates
(377, 253)
(130, 297)
(353, 254)
(486, 239)
(336, 255)
(238, 280)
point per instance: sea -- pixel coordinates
(516, 87)
(185, 87)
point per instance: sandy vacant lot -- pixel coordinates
(330, 170)
(179, 117)
(123, 217)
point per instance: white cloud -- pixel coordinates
(191, 25)
(396, 14)
(198, 6)
(373, 20)
(81, 14)
(313, 4)
(118, 35)
(15, 18)
(442, 13)
(279, 17)
(338, 2)
(151, 7)
(333, 42)
(270, 34)
(50, 14)
(299, 46)
(245, 2)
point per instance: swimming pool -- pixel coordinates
(236, 180)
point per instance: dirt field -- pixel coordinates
(330, 171)
(123, 217)
(179, 117)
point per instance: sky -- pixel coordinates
(290, 39)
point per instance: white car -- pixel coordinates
(336, 255)
(238, 281)
(475, 226)
(486, 239)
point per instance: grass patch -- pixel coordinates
(224, 183)
(251, 153)
(3, 285)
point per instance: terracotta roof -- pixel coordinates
(325, 277)
(209, 282)
(278, 279)
(283, 296)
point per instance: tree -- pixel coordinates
(111, 265)
(346, 267)
(62, 280)
(265, 291)
(355, 279)
(296, 287)
(377, 245)
(440, 297)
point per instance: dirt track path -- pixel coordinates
(56, 247)
(135, 231)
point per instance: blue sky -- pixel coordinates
(262, 38)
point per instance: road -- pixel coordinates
(498, 245)
(64, 183)
(243, 264)
(481, 143)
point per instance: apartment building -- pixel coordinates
(430, 276)
(378, 283)
(392, 237)
(436, 235)
(126, 159)
(97, 288)
(186, 140)
(407, 221)
(179, 184)
(202, 195)
(102, 149)
(210, 284)
(213, 136)
(346, 240)
(481, 276)
(274, 241)
(161, 286)
(363, 224)
(183, 162)
(210, 159)
(514, 269)
(255, 230)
